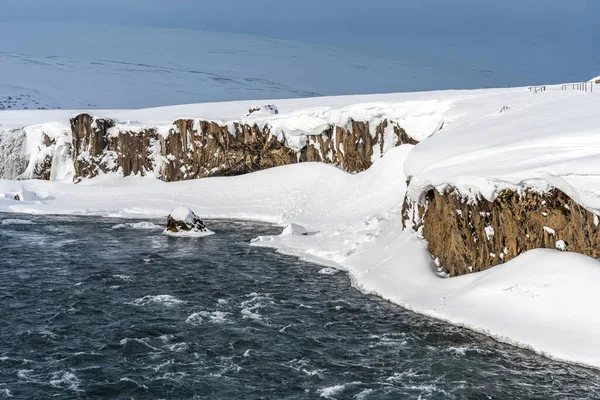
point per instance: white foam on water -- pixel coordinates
(247, 314)
(126, 379)
(363, 394)
(386, 341)
(425, 388)
(400, 377)
(178, 347)
(188, 234)
(462, 350)
(137, 225)
(48, 334)
(174, 376)
(15, 221)
(216, 317)
(6, 393)
(123, 277)
(164, 299)
(160, 366)
(65, 380)
(328, 271)
(331, 391)
(195, 319)
(24, 374)
(143, 341)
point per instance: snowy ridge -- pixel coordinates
(547, 139)
(25, 148)
(482, 141)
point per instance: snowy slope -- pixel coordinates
(545, 300)
(548, 138)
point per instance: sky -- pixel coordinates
(557, 40)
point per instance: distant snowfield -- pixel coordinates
(481, 141)
(87, 66)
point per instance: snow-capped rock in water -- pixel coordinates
(183, 222)
(261, 111)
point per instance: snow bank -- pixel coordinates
(546, 139)
(481, 141)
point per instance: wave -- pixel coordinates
(328, 271)
(15, 221)
(137, 225)
(65, 380)
(331, 391)
(164, 299)
(217, 317)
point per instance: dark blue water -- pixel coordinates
(89, 311)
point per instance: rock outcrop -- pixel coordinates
(466, 236)
(183, 222)
(36, 152)
(193, 149)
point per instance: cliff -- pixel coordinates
(468, 236)
(191, 149)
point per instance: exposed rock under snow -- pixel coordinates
(262, 111)
(183, 222)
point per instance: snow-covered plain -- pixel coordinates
(49, 65)
(480, 140)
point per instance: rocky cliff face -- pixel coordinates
(472, 236)
(196, 149)
(36, 152)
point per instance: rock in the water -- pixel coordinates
(183, 222)
(267, 109)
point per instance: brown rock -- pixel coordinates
(197, 149)
(466, 236)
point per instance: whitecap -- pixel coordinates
(331, 391)
(247, 314)
(328, 271)
(134, 382)
(17, 222)
(217, 317)
(194, 319)
(164, 299)
(24, 374)
(178, 347)
(363, 394)
(399, 377)
(137, 225)
(65, 380)
(462, 350)
(189, 234)
(6, 393)
(143, 341)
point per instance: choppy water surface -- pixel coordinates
(94, 307)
